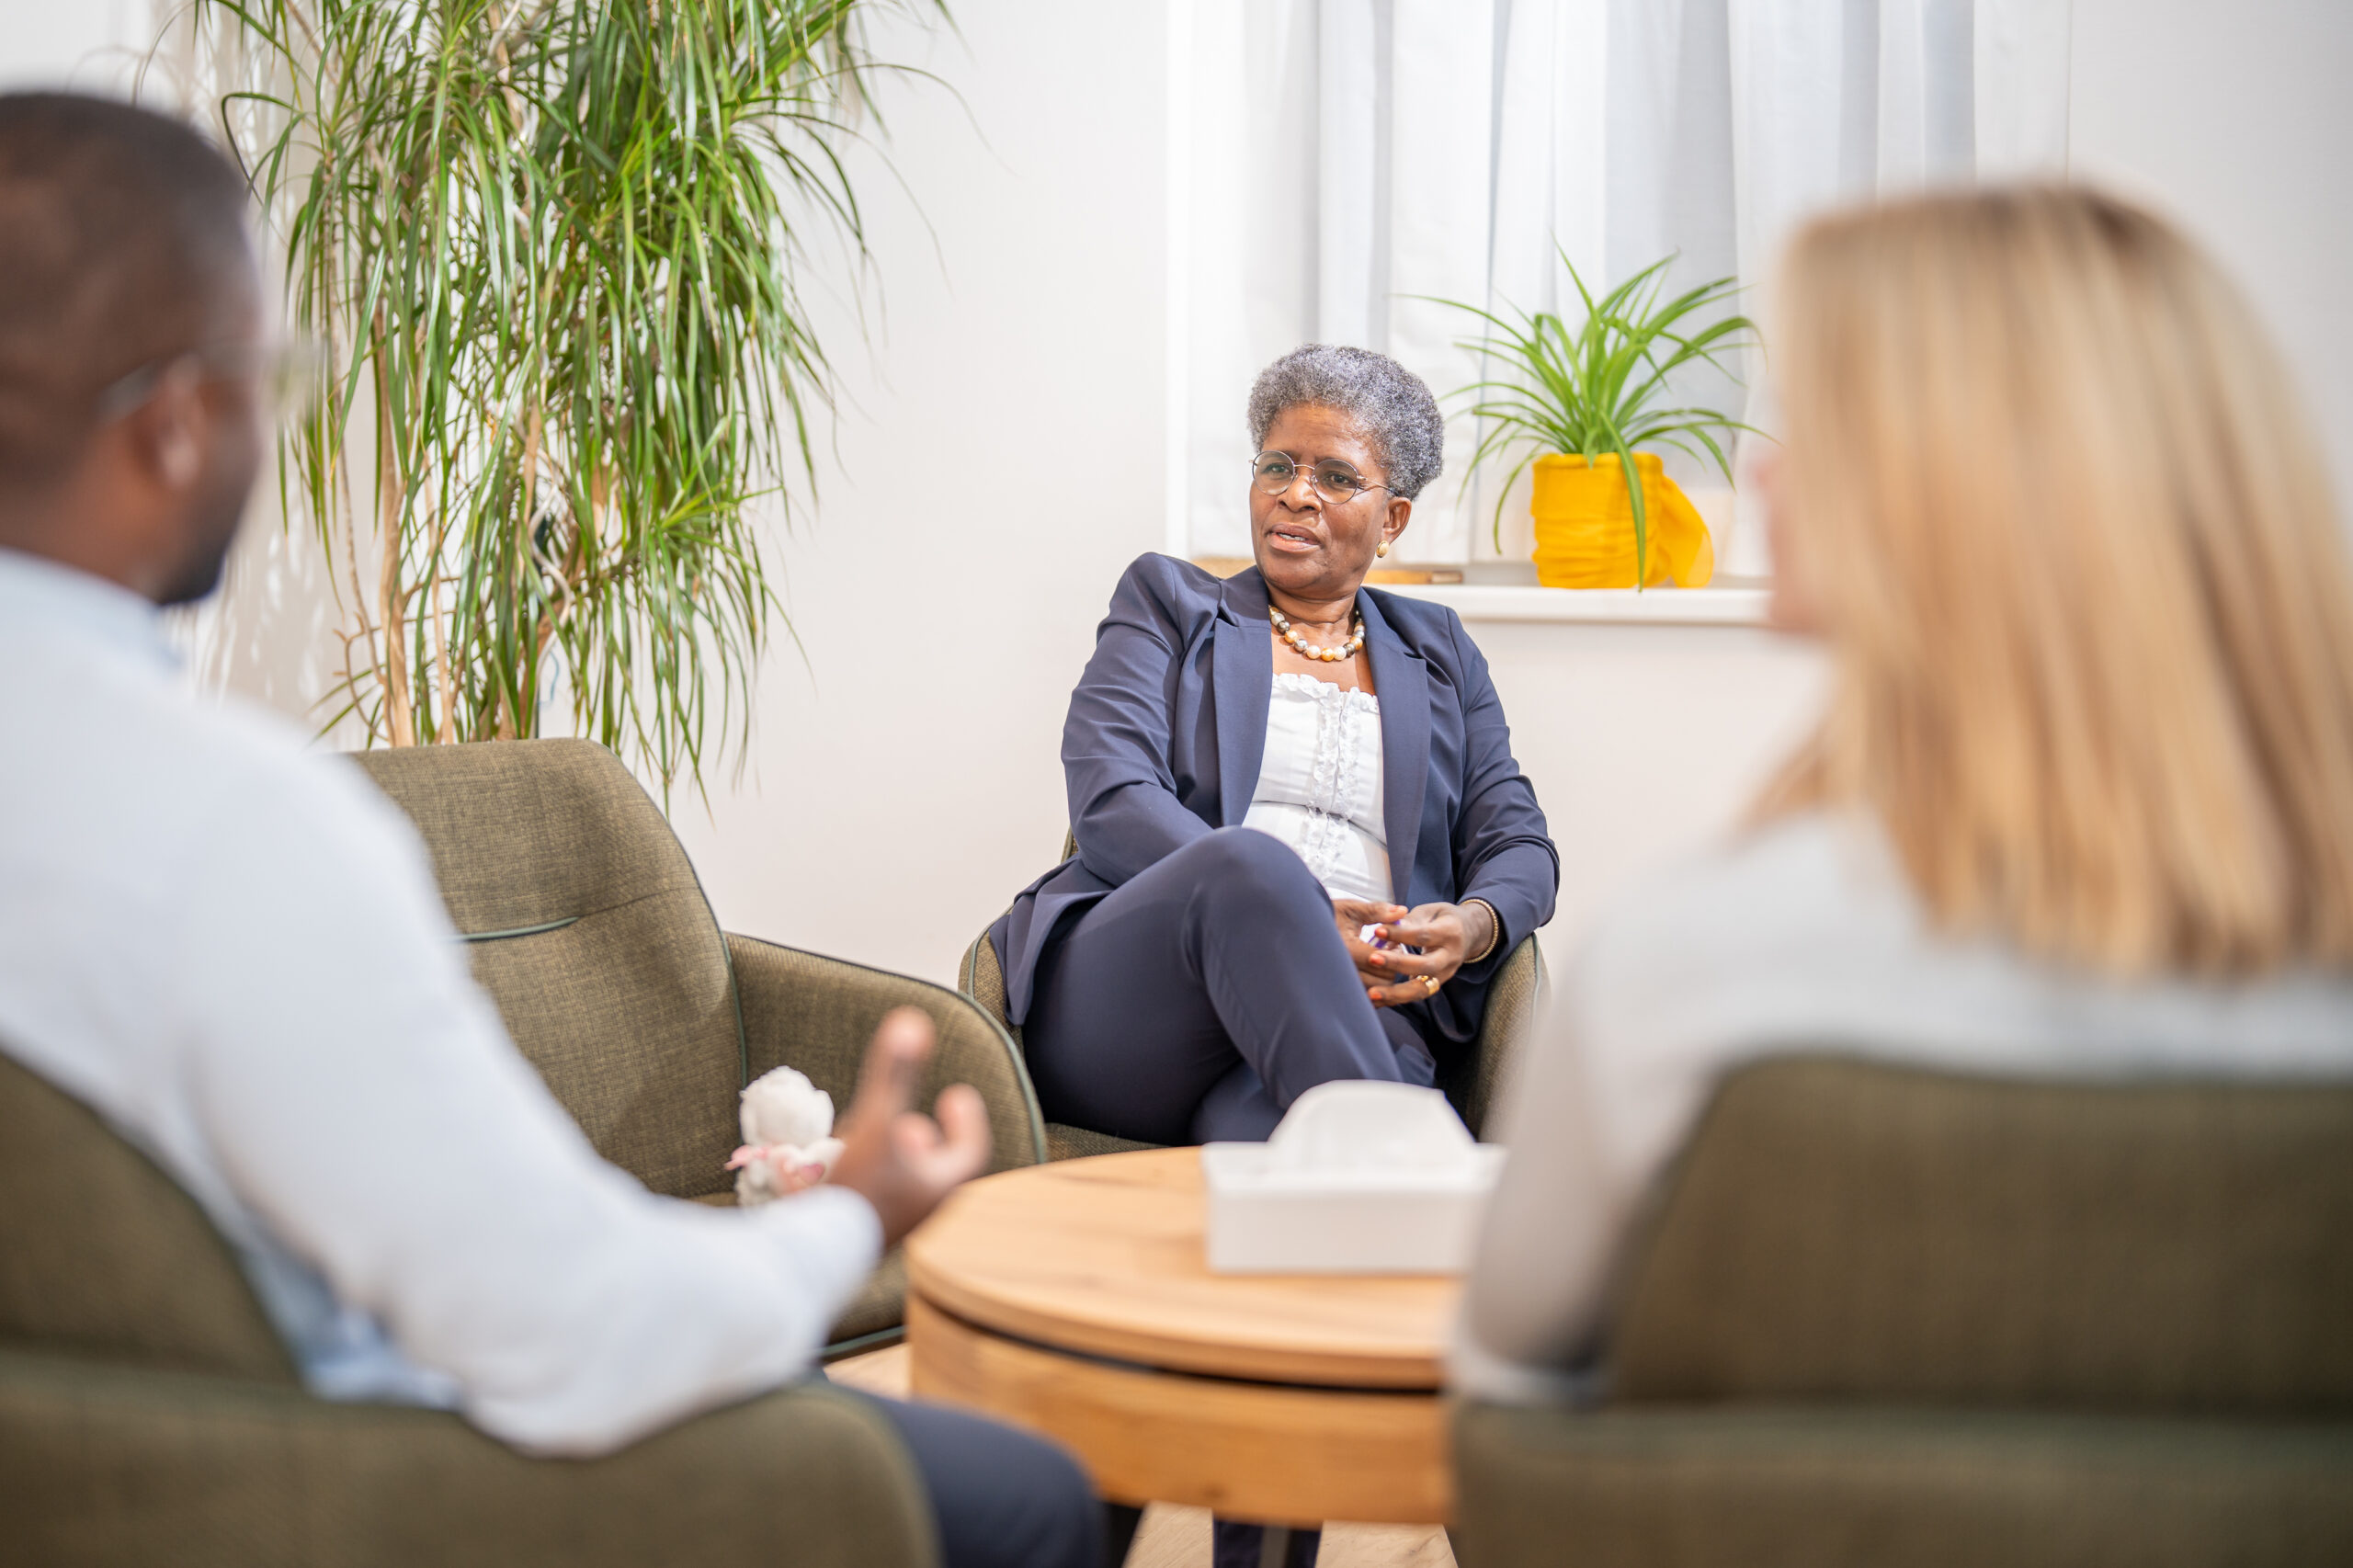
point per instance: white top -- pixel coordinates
(1319, 786)
(235, 950)
(1803, 931)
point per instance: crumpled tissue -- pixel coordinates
(787, 1122)
(1360, 1178)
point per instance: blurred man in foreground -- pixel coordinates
(235, 951)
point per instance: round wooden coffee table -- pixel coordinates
(1073, 1299)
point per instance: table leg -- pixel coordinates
(1276, 1550)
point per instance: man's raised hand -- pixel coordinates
(898, 1159)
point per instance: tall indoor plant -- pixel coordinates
(550, 250)
(1577, 403)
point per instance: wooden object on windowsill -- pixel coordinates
(1380, 576)
(1075, 1299)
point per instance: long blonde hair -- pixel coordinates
(2060, 518)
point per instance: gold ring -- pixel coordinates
(1431, 981)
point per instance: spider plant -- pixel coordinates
(1598, 388)
(549, 249)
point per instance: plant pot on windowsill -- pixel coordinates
(1577, 402)
(1585, 525)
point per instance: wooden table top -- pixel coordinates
(1104, 1256)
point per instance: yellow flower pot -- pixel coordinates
(1584, 526)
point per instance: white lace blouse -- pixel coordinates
(1319, 786)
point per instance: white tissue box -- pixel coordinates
(1361, 1178)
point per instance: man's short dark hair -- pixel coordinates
(121, 235)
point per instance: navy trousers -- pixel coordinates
(1196, 1002)
(999, 1498)
(1193, 1004)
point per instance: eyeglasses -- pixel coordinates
(285, 376)
(1274, 474)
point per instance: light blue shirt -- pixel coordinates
(234, 949)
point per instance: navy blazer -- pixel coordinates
(1168, 726)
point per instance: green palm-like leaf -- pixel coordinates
(551, 248)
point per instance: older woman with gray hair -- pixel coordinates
(1304, 844)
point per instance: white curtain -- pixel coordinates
(1343, 159)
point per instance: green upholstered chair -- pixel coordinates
(149, 1415)
(1903, 1319)
(1472, 1084)
(589, 930)
(149, 1412)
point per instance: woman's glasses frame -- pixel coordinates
(1274, 472)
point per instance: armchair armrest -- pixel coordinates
(817, 1014)
(1476, 1083)
(104, 1463)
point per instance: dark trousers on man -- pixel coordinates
(1000, 1498)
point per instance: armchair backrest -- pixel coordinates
(1839, 1230)
(589, 930)
(106, 1256)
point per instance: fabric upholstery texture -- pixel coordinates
(982, 978)
(105, 1256)
(1841, 1230)
(103, 1464)
(1067, 1142)
(1892, 1317)
(818, 1013)
(1475, 1083)
(1473, 1086)
(1888, 1487)
(615, 985)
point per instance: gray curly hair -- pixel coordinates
(1400, 418)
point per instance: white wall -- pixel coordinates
(1001, 461)
(1644, 742)
(2238, 119)
(89, 45)
(904, 781)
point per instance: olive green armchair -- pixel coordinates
(589, 930)
(149, 1415)
(1906, 1319)
(1472, 1082)
(149, 1412)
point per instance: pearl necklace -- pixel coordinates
(1346, 650)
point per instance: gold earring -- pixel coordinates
(1383, 549)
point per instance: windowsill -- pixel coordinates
(1652, 607)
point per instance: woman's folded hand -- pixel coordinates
(1414, 951)
(1354, 916)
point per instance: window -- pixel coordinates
(1333, 161)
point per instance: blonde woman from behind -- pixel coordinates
(2082, 801)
